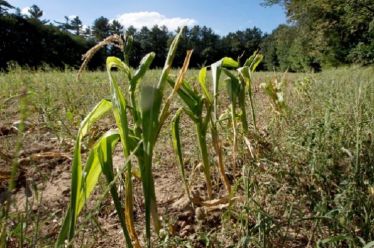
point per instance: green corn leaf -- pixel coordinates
(91, 174)
(145, 63)
(233, 89)
(103, 150)
(150, 106)
(202, 81)
(250, 60)
(128, 42)
(176, 139)
(68, 227)
(232, 84)
(216, 73)
(120, 115)
(76, 184)
(169, 59)
(192, 115)
(206, 120)
(259, 60)
(96, 113)
(92, 170)
(119, 104)
(64, 230)
(186, 87)
(190, 98)
(229, 63)
(225, 62)
(229, 74)
(151, 98)
(245, 76)
(117, 63)
(178, 83)
(178, 148)
(256, 62)
(253, 61)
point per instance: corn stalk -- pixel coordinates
(194, 106)
(139, 137)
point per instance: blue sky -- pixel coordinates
(221, 16)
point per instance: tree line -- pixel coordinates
(319, 34)
(322, 34)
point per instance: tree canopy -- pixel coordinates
(324, 33)
(4, 6)
(319, 34)
(35, 12)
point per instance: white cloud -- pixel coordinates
(71, 17)
(25, 11)
(151, 18)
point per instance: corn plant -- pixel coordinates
(274, 89)
(198, 107)
(216, 70)
(138, 137)
(246, 78)
(237, 85)
(303, 87)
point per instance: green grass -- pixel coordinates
(310, 180)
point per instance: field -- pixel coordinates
(303, 178)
